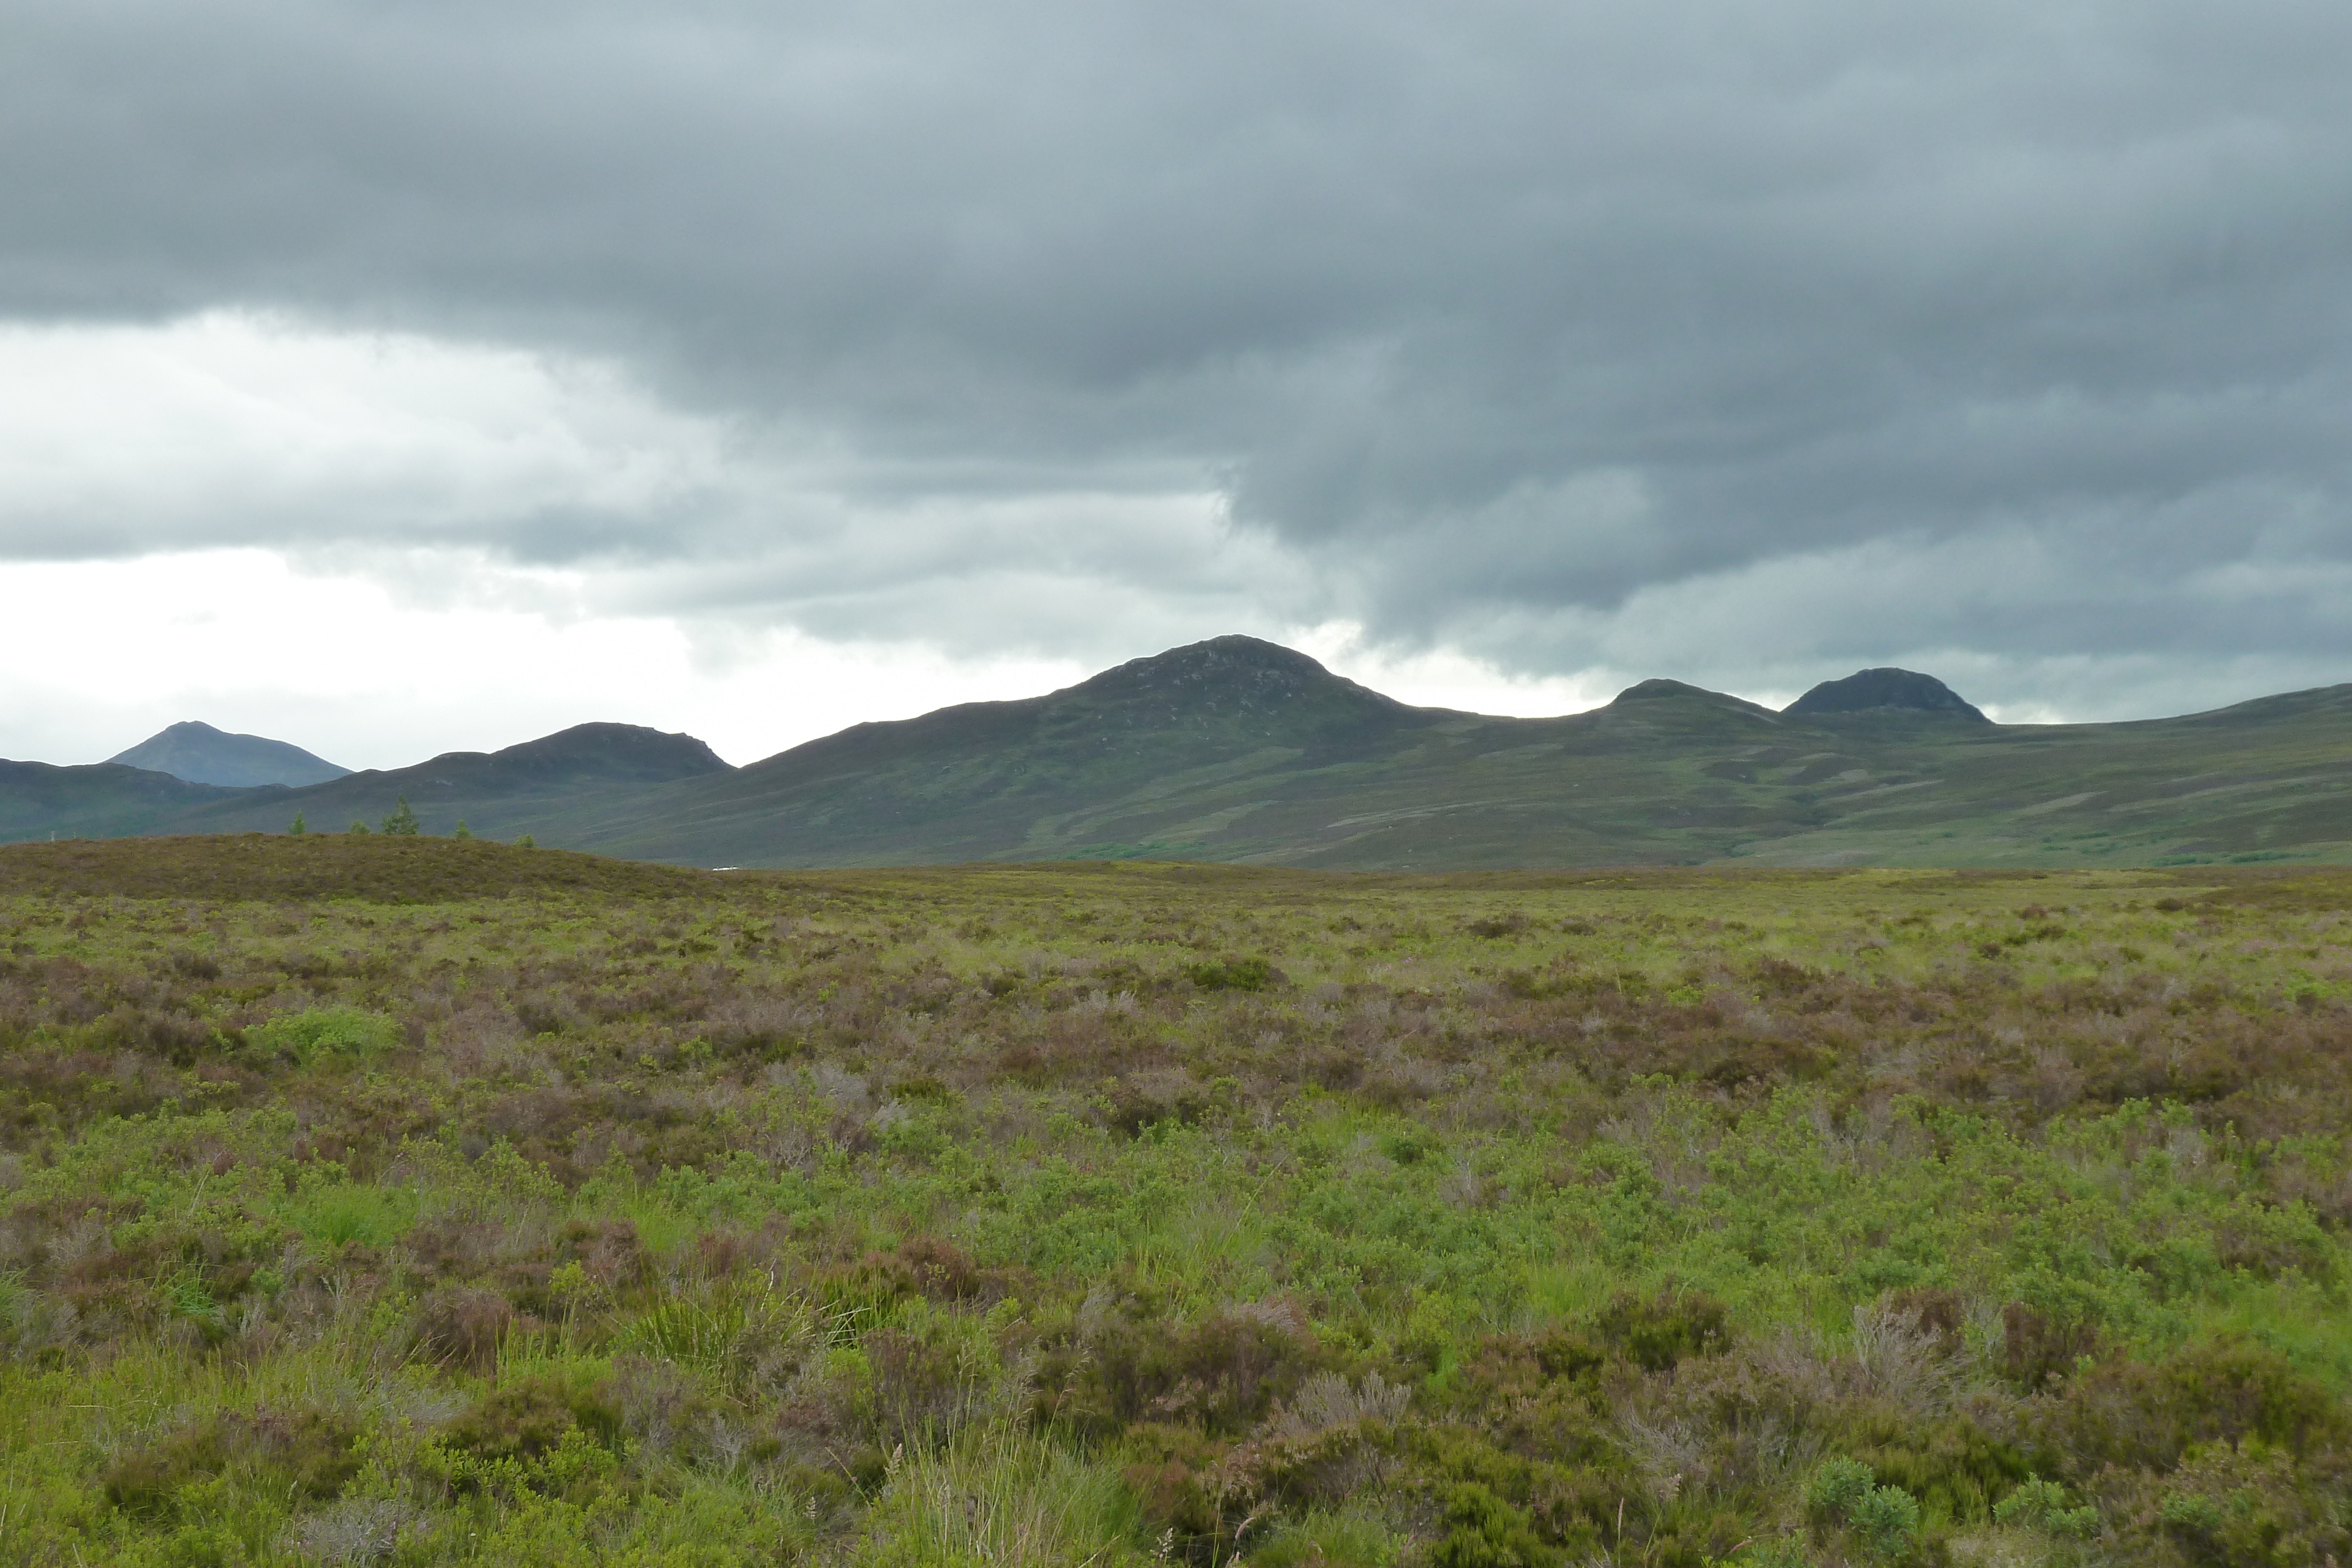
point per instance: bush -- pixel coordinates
(305, 1037)
(1843, 1490)
(1886, 1516)
(1656, 1332)
(2037, 1349)
(2217, 1391)
(1837, 1486)
(1219, 1375)
(1231, 975)
(529, 1419)
(2041, 1505)
(1485, 1532)
(2191, 1512)
(307, 1453)
(400, 821)
(1496, 926)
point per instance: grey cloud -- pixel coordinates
(1498, 322)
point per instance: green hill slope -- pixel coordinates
(98, 799)
(1144, 758)
(1236, 749)
(1240, 750)
(525, 788)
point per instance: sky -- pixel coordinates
(410, 375)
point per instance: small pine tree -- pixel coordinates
(400, 821)
(359, 827)
(300, 825)
(463, 831)
(526, 842)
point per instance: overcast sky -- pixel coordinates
(398, 376)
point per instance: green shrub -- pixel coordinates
(2041, 1505)
(1843, 1490)
(1495, 926)
(2213, 1391)
(1954, 1466)
(530, 1417)
(304, 1453)
(1886, 1516)
(401, 821)
(2190, 1511)
(1656, 1332)
(1485, 1532)
(1221, 1375)
(305, 1037)
(1408, 1146)
(1837, 1486)
(1231, 975)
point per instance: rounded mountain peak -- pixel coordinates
(1235, 692)
(1247, 667)
(622, 751)
(1885, 690)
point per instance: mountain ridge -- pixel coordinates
(493, 791)
(1237, 749)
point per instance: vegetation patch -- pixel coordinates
(1117, 1214)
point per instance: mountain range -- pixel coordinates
(1237, 749)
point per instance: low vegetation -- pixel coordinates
(387, 1199)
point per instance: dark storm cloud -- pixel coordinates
(1496, 317)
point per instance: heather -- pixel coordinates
(410, 1201)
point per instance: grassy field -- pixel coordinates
(370, 1200)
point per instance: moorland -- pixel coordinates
(404, 1200)
(1240, 750)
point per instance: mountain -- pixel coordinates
(98, 800)
(1884, 692)
(501, 793)
(203, 754)
(1115, 765)
(1236, 749)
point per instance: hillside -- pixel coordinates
(1141, 759)
(1241, 751)
(1236, 749)
(203, 754)
(519, 790)
(98, 799)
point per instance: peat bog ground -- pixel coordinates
(371, 1200)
